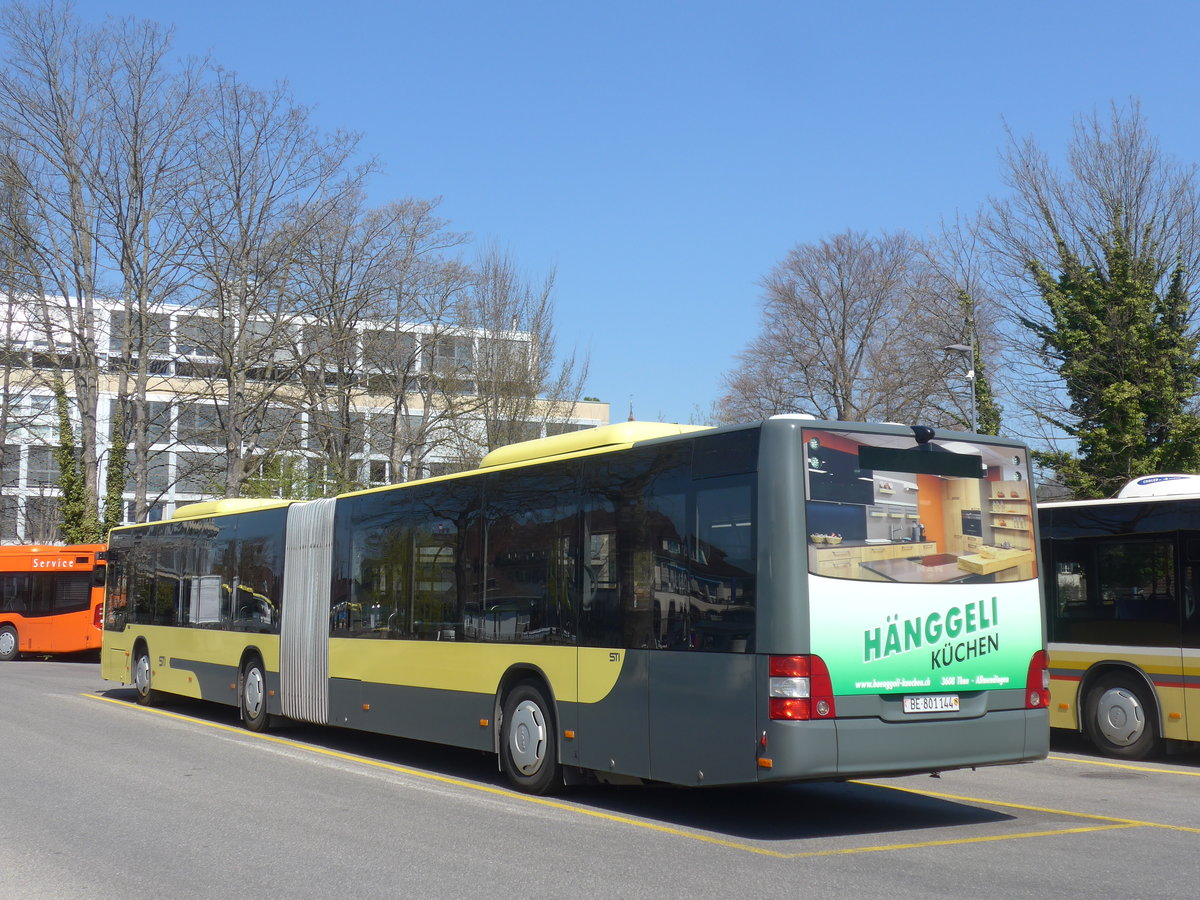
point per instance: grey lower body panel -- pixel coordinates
(870, 747)
(421, 714)
(219, 683)
(1002, 736)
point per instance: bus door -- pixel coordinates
(1191, 634)
(37, 592)
(702, 699)
(669, 595)
(702, 718)
(1128, 597)
(612, 718)
(14, 602)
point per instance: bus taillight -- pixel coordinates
(800, 688)
(1037, 682)
(99, 623)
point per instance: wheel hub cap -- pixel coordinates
(253, 692)
(8, 642)
(1121, 717)
(141, 674)
(528, 737)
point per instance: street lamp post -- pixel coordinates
(969, 352)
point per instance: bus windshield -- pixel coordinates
(882, 508)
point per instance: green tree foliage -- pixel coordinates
(1128, 361)
(80, 525)
(116, 476)
(988, 411)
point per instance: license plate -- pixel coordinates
(931, 703)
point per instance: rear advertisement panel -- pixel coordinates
(906, 638)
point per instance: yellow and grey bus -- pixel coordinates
(1122, 595)
(789, 600)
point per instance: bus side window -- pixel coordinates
(531, 525)
(1140, 578)
(14, 593)
(1191, 592)
(1071, 587)
(722, 594)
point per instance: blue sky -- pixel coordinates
(664, 156)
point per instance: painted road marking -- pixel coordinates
(1126, 766)
(1115, 820)
(1110, 823)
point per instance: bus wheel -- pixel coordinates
(1119, 718)
(8, 643)
(141, 678)
(254, 695)
(528, 748)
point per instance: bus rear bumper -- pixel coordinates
(874, 748)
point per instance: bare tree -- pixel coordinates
(52, 113)
(963, 312)
(233, 236)
(154, 114)
(509, 356)
(846, 334)
(16, 267)
(343, 279)
(424, 293)
(266, 177)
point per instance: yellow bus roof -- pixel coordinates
(206, 508)
(588, 439)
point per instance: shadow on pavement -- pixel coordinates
(767, 813)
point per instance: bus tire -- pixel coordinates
(252, 694)
(528, 744)
(1119, 717)
(145, 694)
(8, 643)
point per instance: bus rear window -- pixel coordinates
(881, 508)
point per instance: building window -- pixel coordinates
(200, 423)
(200, 473)
(198, 336)
(10, 466)
(8, 520)
(379, 471)
(42, 525)
(43, 419)
(42, 468)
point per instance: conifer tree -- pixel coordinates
(1129, 365)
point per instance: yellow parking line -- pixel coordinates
(1112, 822)
(1129, 823)
(1114, 765)
(955, 841)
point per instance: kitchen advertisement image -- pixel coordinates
(903, 638)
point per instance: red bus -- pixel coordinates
(51, 599)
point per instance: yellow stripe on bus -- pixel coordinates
(475, 668)
(472, 668)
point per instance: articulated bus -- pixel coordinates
(51, 599)
(792, 600)
(1122, 595)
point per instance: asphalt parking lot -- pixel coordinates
(181, 799)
